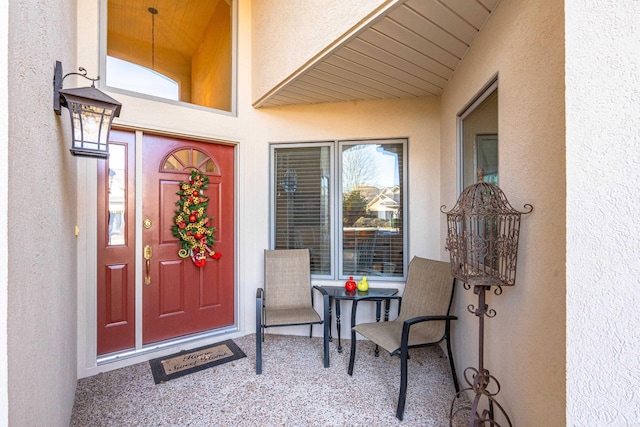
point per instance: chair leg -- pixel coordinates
(352, 356)
(404, 352)
(326, 329)
(259, 330)
(259, 339)
(453, 367)
(325, 345)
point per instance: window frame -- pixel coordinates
(102, 48)
(476, 101)
(335, 201)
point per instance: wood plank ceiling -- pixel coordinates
(410, 52)
(177, 30)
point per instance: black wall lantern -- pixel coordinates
(91, 111)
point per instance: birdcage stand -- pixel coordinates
(480, 380)
(482, 240)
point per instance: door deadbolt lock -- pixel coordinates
(147, 223)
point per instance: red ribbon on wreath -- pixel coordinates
(192, 227)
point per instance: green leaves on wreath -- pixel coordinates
(191, 224)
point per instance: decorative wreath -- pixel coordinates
(191, 223)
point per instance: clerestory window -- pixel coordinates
(180, 51)
(345, 202)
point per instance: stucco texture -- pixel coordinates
(603, 204)
(42, 307)
(290, 33)
(522, 44)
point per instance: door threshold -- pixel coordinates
(167, 346)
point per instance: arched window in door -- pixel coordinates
(187, 159)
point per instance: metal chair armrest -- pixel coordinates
(325, 321)
(259, 305)
(421, 319)
(410, 322)
(321, 290)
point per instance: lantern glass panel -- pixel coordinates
(90, 126)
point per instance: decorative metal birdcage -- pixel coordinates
(482, 239)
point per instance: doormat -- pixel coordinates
(190, 361)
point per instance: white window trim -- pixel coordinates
(478, 99)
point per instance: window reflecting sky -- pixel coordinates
(129, 76)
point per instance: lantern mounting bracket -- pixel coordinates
(58, 81)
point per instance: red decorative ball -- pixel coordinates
(195, 193)
(350, 284)
(193, 218)
(198, 236)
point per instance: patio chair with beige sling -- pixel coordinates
(287, 297)
(423, 320)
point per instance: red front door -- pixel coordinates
(180, 298)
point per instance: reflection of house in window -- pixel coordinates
(373, 244)
(386, 204)
(189, 42)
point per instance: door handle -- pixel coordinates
(148, 253)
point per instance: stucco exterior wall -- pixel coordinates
(4, 207)
(253, 130)
(603, 208)
(41, 316)
(287, 34)
(525, 342)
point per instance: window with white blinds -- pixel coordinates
(344, 201)
(302, 202)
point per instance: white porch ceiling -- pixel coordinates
(409, 52)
